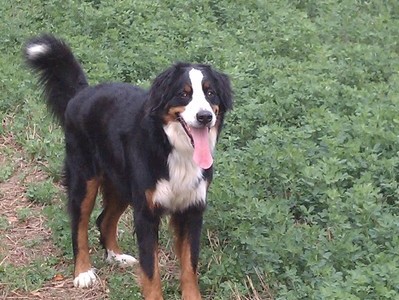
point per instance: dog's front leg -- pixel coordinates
(187, 228)
(146, 225)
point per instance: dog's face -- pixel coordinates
(191, 101)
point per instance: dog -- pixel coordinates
(149, 149)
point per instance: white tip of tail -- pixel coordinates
(35, 50)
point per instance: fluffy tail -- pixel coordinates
(60, 74)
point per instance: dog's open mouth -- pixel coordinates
(186, 129)
(199, 138)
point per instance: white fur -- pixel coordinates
(85, 279)
(186, 185)
(198, 101)
(213, 135)
(35, 50)
(179, 138)
(122, 260)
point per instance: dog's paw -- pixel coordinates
(122, 260)
(85, 279)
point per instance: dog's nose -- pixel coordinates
(204, 117)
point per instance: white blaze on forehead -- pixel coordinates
(198, 101)
(196, 77)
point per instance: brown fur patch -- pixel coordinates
(188, 89)
(113, 209)
(206, 85)
(82, 262)
(215, 109)
(172, 114)
(149, 195)
(188, 276)
(151, 287)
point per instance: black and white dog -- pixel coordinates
(149, 149)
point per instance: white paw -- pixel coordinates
(85, 279)
(123, 260)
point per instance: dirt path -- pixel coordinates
(16, 249)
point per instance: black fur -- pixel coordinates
(114, 131)
(59, 73)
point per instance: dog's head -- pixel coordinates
(191, 101)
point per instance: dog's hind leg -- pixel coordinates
(107, 223)
(82, 196)
(187, 230)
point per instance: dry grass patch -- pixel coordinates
(25, 237)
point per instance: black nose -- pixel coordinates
(204, 117)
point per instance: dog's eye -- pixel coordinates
(184, 95)
(210, 93)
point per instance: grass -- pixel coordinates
(304, 202)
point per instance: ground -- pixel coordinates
(17, 248)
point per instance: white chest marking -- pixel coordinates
(185, 186)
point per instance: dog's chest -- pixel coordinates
(185, 187)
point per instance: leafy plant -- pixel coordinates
(42, 192)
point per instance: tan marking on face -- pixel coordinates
(172, 114)
(188, 89)
(215, 109)
(82, 260)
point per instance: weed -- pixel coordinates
(41, 192)
(4, 224)
(6, 171)
(24, 214)
(28, 277)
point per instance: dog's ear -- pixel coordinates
(160, 87)
(224, 90)
(163, 87)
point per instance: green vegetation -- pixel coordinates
(304, 204)
(43, 192)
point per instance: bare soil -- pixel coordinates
(25, 239)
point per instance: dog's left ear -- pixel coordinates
(224, 90)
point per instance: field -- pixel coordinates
(304, 203)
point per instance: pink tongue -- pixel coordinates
(202, 152)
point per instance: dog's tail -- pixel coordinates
(60, 74)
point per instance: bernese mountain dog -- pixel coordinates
(151, 149)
